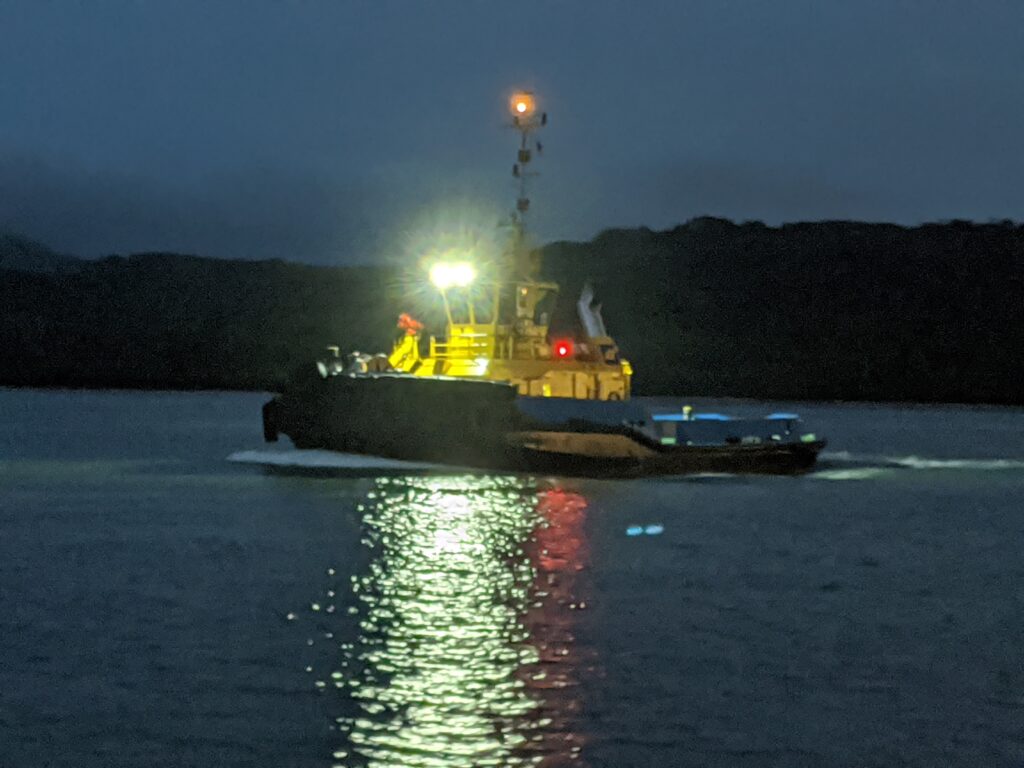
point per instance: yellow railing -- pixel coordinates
(461, 347)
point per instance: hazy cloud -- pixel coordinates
(320, 130)
(251, 213)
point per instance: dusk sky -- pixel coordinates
(337, 131)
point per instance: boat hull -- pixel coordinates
(478, 424)
(578, 457)
(434, 419)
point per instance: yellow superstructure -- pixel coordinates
(489, 340)
(499, 330)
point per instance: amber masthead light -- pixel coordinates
(522, 104)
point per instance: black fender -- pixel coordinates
(270, 432)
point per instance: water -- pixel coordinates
(174, 593)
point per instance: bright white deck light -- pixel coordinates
(446, 275)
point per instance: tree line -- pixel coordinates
(825, 310)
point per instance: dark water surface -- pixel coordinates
(166, 600)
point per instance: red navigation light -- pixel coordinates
(563, 348)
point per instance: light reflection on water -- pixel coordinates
(465, 651)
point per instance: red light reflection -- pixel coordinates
(559, 552)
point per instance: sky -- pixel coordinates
(343, 131)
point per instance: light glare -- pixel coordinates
(447, 275)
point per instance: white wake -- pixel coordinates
(319, 459)
(870, 461)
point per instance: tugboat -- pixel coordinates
(498, 392)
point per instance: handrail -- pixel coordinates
(448, 350)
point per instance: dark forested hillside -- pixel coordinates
(829, 310)
(825, 310)
(169, 321)
(25, 255)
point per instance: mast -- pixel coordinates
(525, 119)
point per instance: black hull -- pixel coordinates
(435, 420)
(746, 460)
(476, 424)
